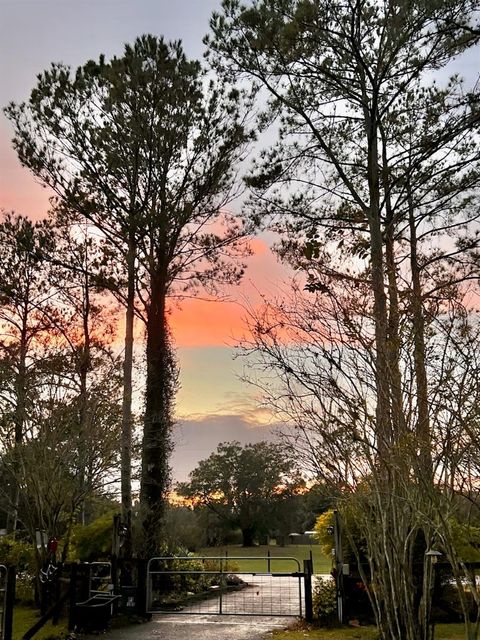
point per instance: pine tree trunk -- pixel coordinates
(396, 391)
(83, 363)
(19, 421)
(158, 419)
(382, 373)
(418, 327)
(126, 447)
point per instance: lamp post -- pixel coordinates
(432, 556)
(337, 532)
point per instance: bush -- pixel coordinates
(325, 602)
(25, 588)
(17, 553)
(172, 588)
(21, 555)
(92, 542)
(183, 529)
(323, 528)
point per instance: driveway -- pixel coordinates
(200, 627)
(265, 594)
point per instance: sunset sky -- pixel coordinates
(213, 404)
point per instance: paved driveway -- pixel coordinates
(264, 595)
(200, 627)
(277, 597)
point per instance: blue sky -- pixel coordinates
(34, 33)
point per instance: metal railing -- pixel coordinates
(100, 579)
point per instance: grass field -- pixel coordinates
(279, 555)
(25, 617)
(442, 632)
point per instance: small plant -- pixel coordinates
(229, 566)
(24, 588)
(325, 602)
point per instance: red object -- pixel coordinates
(52, 545)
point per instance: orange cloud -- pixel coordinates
(197, 322)
(202, 323)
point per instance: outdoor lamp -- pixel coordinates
(433, 555)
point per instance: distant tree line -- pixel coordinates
(256, 489)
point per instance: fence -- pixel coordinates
(228, 586)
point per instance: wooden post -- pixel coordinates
(142, 604)
(45, 618)
(57, 592)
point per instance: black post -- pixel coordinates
(9, 604)
(57, 591)
(114, 568)
(435, 592)
(116, 544)
(73, 597)
(339, 566)
(307, 577)
(142, 604)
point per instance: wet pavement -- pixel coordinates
(279, 598)
(260, 595)
(201, 627)
(265, 594)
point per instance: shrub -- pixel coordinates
(92, 542)
(21, 555)
(17, 553)
(323, 527)
(180, 579)
(25, 588)
(325, 602)
(183, 529)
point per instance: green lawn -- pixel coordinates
(321, 564)
(25, 617)
(442, 632)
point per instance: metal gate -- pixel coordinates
(224, 586)
(100, 579)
